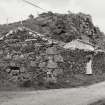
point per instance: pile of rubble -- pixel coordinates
(67, 27)
(27, 58)
(27, 55)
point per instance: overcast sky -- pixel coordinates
(16, 10)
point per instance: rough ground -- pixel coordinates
(75, 96)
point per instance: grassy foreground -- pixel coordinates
(99, 102)
(71, 82)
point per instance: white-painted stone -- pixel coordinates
(89, 67)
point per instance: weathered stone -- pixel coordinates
(58, 58)
(1, 52)
(57, 72)
(51, 64)
(8, 70)
(42, 64)
(51, 78)
(33, 63)
(89, 67)
(12, 63)
(22, 69)
(51, 51)
(8, 56)
(14, 78)
(21, 56)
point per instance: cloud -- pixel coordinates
(55, 5)
(73, 6)
(94, 7)
(17, 9)
(100, 23)
(14, 10)
(97, 9)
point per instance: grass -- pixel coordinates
(81, 80)
(99, 102)
(63, 82)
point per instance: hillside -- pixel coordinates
(34, 54)
(63, 27)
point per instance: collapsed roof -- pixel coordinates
(79, 44)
